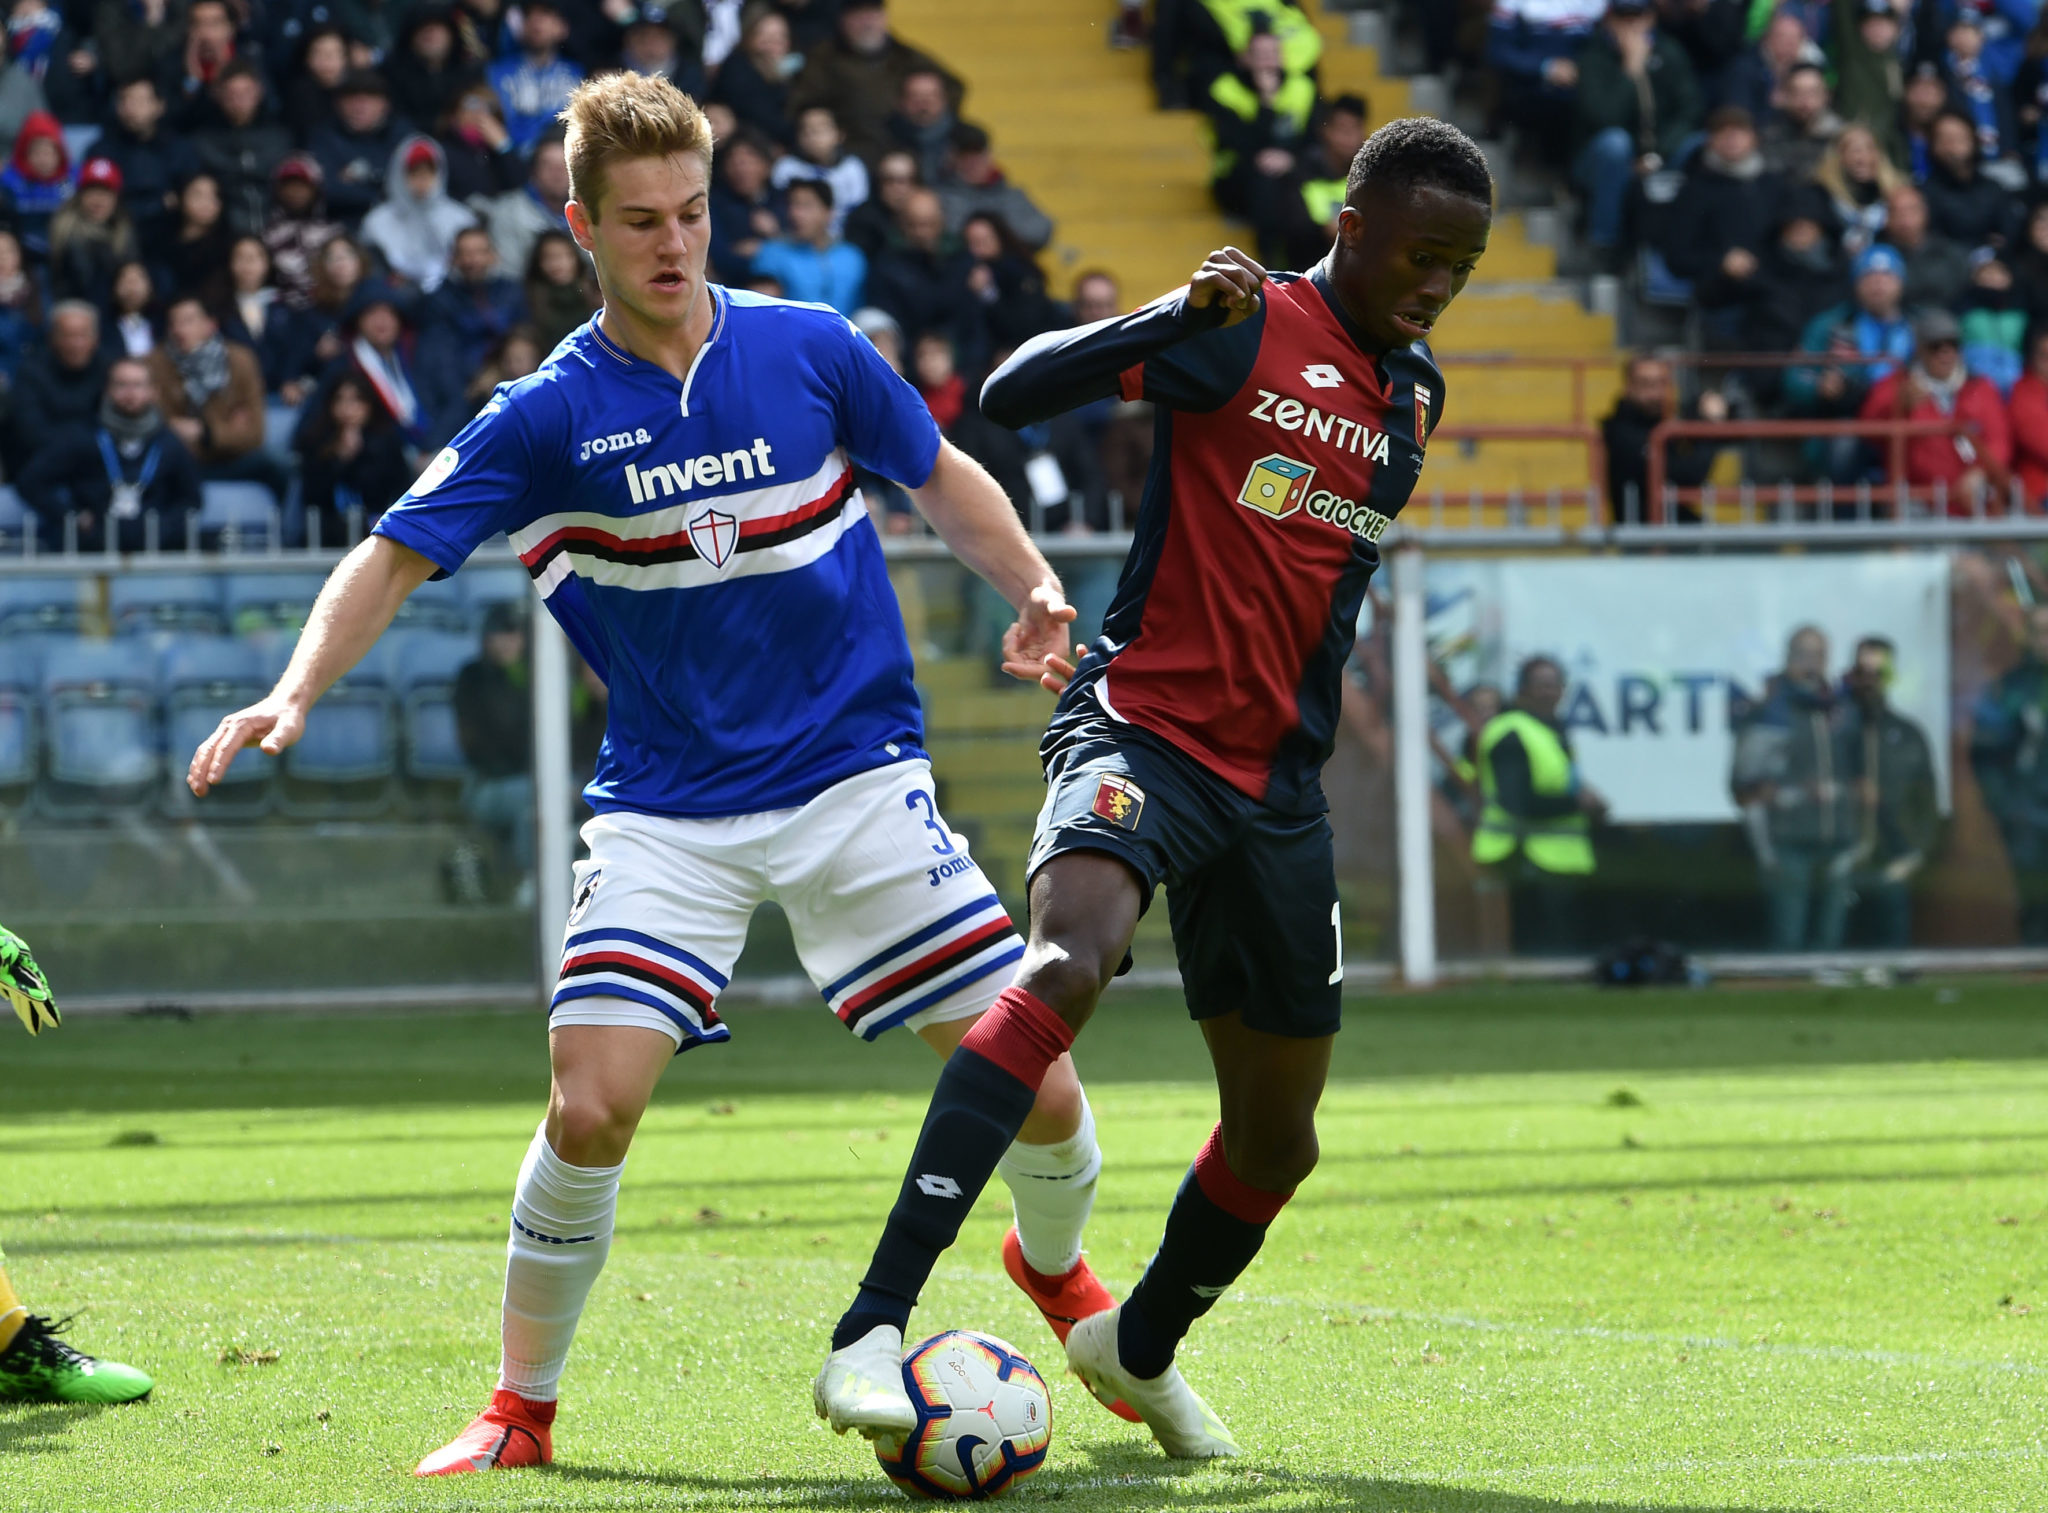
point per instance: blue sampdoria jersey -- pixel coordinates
(705, 548)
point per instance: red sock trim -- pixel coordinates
(1021, 1035)
(1230, 1192)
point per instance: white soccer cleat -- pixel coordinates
(1186, 1427)
(861, 1387)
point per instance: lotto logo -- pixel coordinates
(933, 1186)
(1120, 801)
(1276, 485)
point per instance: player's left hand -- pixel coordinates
(22, 984)
(1228, 278)
(1036, 648)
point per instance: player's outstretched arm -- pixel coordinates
(1063, 370)
(974, 517)
(348, 617)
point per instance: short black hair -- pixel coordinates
(1528, 669)
(1807, 66)
(1421, 152)
(821, 188)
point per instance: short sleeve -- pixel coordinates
(881, 419)
(1201, 373)
(476, 487)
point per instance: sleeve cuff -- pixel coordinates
(408, 533)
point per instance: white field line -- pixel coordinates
(1646, 1336)
(25, 1244)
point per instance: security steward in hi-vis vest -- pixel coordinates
(1535, 818)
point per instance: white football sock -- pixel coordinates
(1052, 1188)
(561, 1230)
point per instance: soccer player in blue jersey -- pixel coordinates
(1187, 748)
(677, 478)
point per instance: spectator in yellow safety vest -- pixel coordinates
(1536, 814)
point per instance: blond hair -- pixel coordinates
(625, 115)
(1834, 178)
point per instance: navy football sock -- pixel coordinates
(976, 1111)
(985, 1091)
(1213, 1232)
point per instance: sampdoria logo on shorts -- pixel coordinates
(1120, 801)
(586, 893)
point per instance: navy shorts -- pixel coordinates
(1251, 892)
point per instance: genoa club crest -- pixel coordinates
(715, 533)
(1421, 418)
(1120, 801)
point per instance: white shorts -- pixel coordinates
(893, 920)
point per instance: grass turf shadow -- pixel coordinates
(39, 1428)
(1118, 1476)
(227, 1062)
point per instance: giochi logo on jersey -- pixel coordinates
(1278, 486)
(1275, 485)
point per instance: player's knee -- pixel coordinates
(1057, 1113)
(1064, 982)
(589, 1129)
(1276, 1159)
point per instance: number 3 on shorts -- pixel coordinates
(917, 797)
(1337, 929)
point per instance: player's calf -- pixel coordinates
(1213, 1232)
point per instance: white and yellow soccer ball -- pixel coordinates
(984, 1419)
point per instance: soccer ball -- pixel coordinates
(984, 1421)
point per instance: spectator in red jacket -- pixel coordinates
(1937, 386)
(2029, 416)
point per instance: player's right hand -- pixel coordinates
(272, 724)
(1229, 278)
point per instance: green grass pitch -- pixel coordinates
(1566, 1252)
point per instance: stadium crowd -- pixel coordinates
(294, 243)
(1865, 180)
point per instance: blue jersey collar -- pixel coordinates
(719, 307)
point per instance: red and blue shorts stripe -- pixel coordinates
(616, 963)
(926, 968)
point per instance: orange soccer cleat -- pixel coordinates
(513, 1431)
(1064, 1300)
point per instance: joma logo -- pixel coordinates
(618, 441)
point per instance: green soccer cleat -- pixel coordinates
(22, 984)
(37, 1367)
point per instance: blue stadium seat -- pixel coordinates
(484, 586)
(248, 510)
(204, 678)
(424, 665)
(40, 606)
(99, 726)
(344, 763)
(141, 602)
(19, 679)
(437, 604)
(271, 601)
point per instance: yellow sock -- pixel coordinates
(12, 1313)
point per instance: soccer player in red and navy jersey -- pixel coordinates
(1187, 747)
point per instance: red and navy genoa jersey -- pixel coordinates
(1283, 451)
